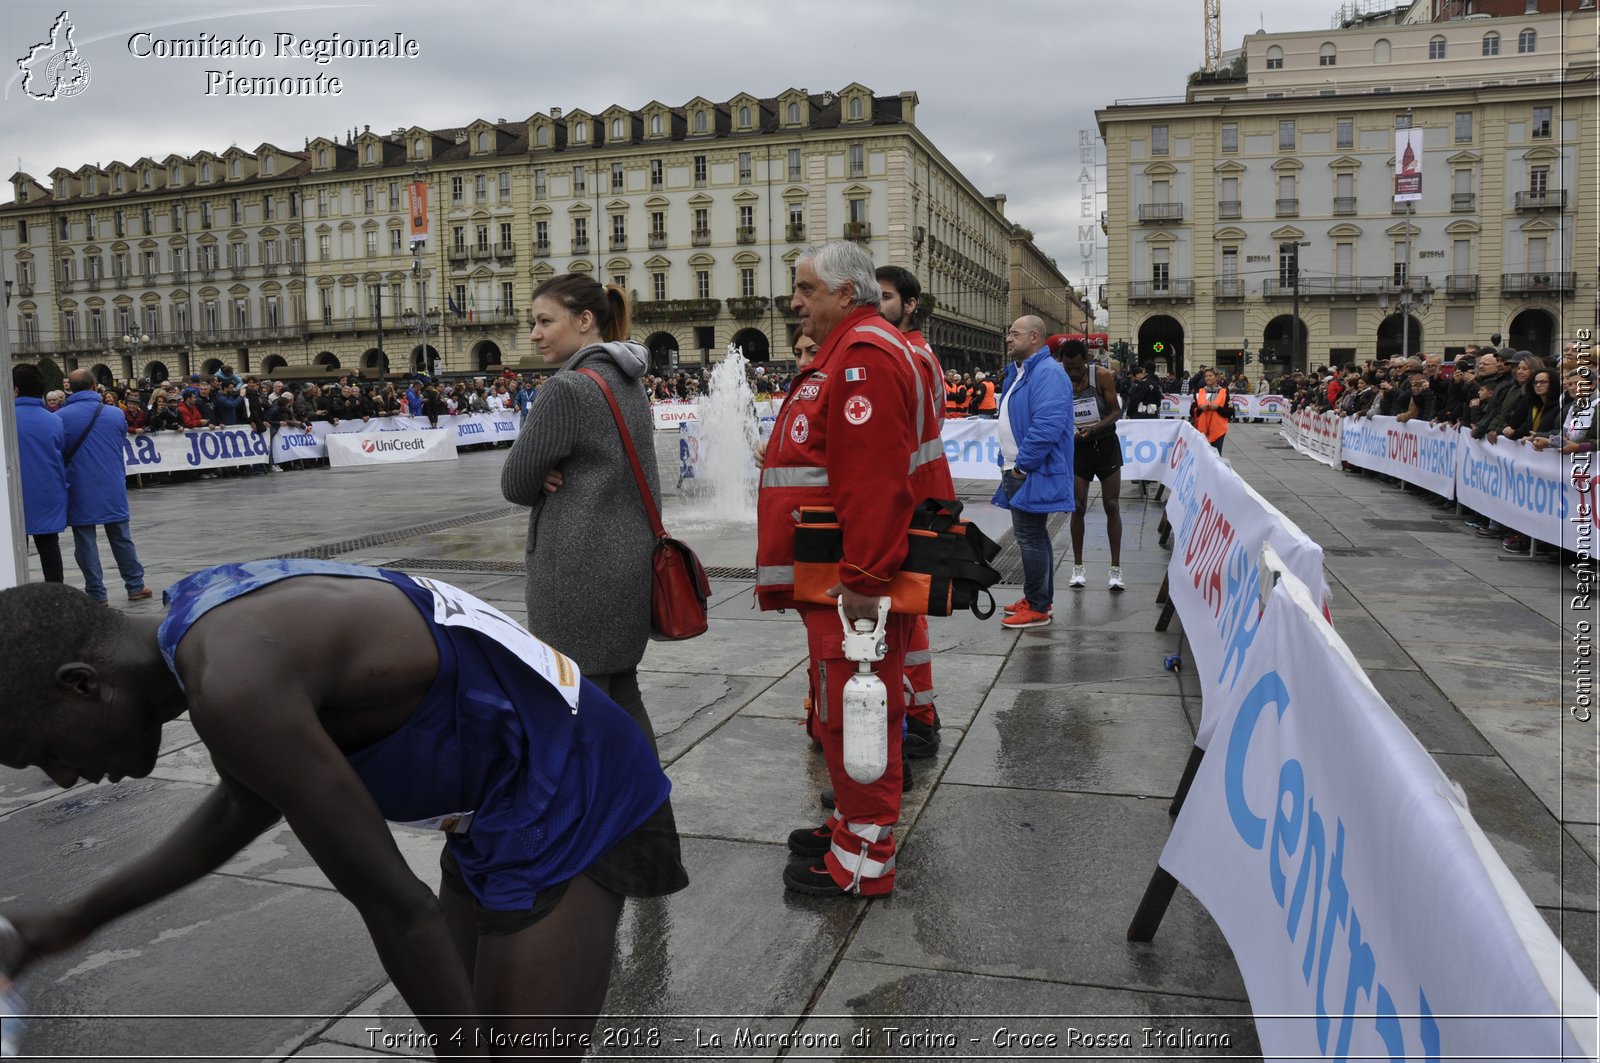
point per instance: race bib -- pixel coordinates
(454, 607)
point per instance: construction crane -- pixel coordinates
(1213, 34)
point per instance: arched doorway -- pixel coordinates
(272, 363)
(1534, 331)
(327, 360)
(487, 354)
(157, 373)
(1391, 344)
(753, 342)
(1161, 342)
(210, 366)
(424, 359)
(1283, 342)
(663, 347)
(374, 362)
(103, 376)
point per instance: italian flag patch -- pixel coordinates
(852, 375)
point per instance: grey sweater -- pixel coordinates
(589, 544)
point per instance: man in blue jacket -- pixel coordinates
(97, 487)
(44, 476)
(1036, 477)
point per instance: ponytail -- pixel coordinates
(617, 302)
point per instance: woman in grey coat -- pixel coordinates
(589, 542)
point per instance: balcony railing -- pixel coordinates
(745, 234)
(1549, 199)
(580, 247)
(93, 284)
(1170, 289)
(1344, 204)
(658, 240)
(458, 254)
(482, 252)
(269, 269)
(1288, 208)
(1226, 208)
(296, 268)
(505, 252)
(25, 288)
(482, 318)
(1461, 284)
(541, 249)
(747, 307)
(1156, 212)
(1463, 201)
(795, 231)
(700, 238)
(678, 310)
(120, 280)
(858, 230)
(1537, 283)
(1229, 288)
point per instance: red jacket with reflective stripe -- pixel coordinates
(844, 438)
(930, 477)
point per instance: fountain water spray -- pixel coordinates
(724, 488)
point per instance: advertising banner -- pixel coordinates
(1146, 448)
(1175, 406)
(194, 450)
(1370, 916)
(297, 444)
(1415, 451)
(1260, 407)
(348, 449)
(1316, 435)
(1407, 165)
(1533, 492)
(669, 415)
(417, 204)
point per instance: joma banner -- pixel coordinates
(1369, 915)
(199, 448)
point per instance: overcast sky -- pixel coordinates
(975, 68)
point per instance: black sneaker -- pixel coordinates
(921, 739)
(811, 877)
(811, 841)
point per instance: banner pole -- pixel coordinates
(13, 532)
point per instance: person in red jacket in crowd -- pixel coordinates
(900, 293)
(189, 412)
(846, 438)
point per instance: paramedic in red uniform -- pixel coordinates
(930, 479)
(846, 437)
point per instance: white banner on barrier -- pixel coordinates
(296, 444)
(1525, 489)
(669, 415)
(1146, 447)
(1369, 915)
(348, 449)
(1413, 450)
(972, 447)
(1316, 435)
(194, 449)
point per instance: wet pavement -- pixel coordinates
(1026, 842)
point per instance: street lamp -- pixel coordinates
(1408, 301)
(133, 342)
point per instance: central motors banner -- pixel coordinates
(1369, 915)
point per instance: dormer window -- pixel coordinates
(700, 121)
(794, 114)
(541, 137)
(119, 182)
(616, 129)
(655, 125)
(1491, 44)
(92, 186)
(177, 176)
(1274, 58)
(580, 132)
(418, 148)
(234, 167)
(205, 172)
(268, 165)
(368, 152)
(483, 141)
(144, 179)
(322, 158)
(744, 117)
(855, 108)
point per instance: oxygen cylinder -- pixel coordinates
(866, 701)
(10, 1000)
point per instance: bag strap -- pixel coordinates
(72, 451)
(627, 444)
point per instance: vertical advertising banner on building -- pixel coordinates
(417, 201)
(1407, 165)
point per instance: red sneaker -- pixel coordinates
(1017, 606)
(1026, 617)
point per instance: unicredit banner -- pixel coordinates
(308, 444)
(388, 448)
(1370, 916)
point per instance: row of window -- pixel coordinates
(1231, 206)
(1438, 48)
(1344, 132)
(91, 182)
(1536, 259)
(208, 257)
(97, 228)
(210, 317)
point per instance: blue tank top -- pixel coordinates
(549, 786)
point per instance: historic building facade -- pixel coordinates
(1265, 197)
(278, 258)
